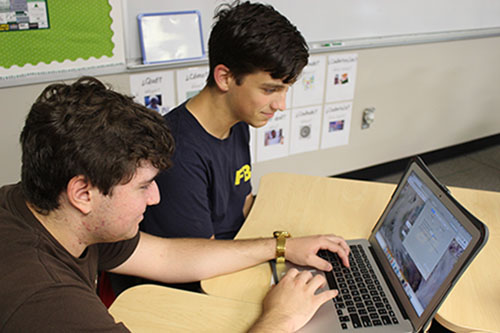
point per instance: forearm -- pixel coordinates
(184, 260)
(266, 323)
(203, 258)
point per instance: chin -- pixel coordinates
(260, 123)
(129, 235)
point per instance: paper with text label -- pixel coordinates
(190, 81)
(336, 124)
(341, 77)
(310, 86)
(155, 90)
(305, 129)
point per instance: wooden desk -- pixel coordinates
(152, 308)
(306, 205)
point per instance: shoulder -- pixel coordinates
(179, 116)
(112, 255)
(242, 129)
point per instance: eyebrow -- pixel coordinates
(148, 181)
(274, 85)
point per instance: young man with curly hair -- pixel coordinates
(90, 157)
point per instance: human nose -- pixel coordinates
(280, 102)
(154, 194)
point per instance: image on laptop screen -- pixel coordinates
(422, 241)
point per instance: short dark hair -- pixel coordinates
(248, 37)
(87, 129)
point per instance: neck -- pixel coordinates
(59, 225)
(210, 109)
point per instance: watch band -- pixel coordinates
(281, 237)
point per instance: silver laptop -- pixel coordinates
(399, 276)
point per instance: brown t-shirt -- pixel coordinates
(43, 288)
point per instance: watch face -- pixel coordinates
(305, 131)
(277, 234)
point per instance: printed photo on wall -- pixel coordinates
(336, 124)
(154, 90)
(153, 102)
(274, 138)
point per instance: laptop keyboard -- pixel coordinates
(361, 302)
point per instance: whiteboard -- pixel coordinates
(320, 20)
(170, 36)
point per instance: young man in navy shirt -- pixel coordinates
(255, 54)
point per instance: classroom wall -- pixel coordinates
(427, 96)
(320, 20)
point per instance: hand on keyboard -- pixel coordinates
(303, 250)
(291, 303)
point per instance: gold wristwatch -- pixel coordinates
(281, 237)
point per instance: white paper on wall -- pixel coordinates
(336, 124)
(190, 81)
(288, 99)
(273, 138)
(252, 143)
(305, 129)
(154, 90)
(310, 85)
(341, 77)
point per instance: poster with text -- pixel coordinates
(341, 77)
(190, 81)
(309, 88)
(273, 138)
(305, 129)
(154, 90)
(336, 124)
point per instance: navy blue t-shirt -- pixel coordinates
(203, 193)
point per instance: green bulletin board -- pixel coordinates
(78, 29)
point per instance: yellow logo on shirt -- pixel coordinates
(244, 173)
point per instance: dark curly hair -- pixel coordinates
(248, 37)
(90, 130)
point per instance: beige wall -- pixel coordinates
(427, 96)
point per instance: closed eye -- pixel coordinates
(269, 90)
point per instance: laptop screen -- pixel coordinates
(422, 240)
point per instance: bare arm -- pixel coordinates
(177, 260)
(185, 260)
(248, 204)
(288, 306)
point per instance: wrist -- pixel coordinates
(281, 237)
(272, 323)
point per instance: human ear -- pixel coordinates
(79, 192)
(222, 77)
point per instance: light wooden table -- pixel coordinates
(152, 308)
(306, 205)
